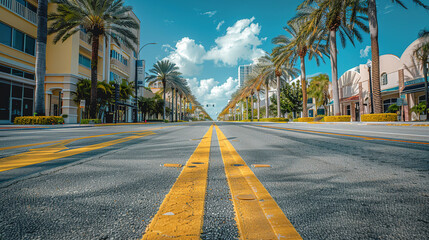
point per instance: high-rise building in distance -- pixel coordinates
(243, 71)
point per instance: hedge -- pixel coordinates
(379, 117)
(306, 119)
(87, 121)
(38, 120)
(272, 120)
(343, 118)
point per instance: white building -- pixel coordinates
(243, 72)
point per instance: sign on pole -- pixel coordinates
(82, 103)
(140, 72)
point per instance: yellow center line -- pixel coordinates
(181, 214)
(75, 139)
(55, 151)
(344, 135)
(257, 214)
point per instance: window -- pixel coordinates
(84, 61)
(17, 72)
(384, 79)
(4, 101)
(29, 45)
(16, 91)
(421, 99)
(387, 103)
(348, 109)
(28, 93)
(5, 69)
(6, 34)
(18, 40)
(29, 76)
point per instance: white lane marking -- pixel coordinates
(333, 129)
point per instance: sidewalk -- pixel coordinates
(21, 127)
(396, 124)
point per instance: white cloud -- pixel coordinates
(219, 25)
(188, 56)
(364, 52)
(209, 13)
(241, 41)
(207, 90)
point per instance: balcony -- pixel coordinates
(120, 66)
(84, 37)
(20, 9)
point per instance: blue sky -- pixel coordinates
(209, 39)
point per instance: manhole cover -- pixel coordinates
(197, 162)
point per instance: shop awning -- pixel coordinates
(354, 98)
(390, 89)
(414, 88)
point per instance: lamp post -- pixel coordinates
(136, 87)
(369, 64)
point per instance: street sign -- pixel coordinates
(140, 72)
(82, 103)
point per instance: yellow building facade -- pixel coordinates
(66, 63)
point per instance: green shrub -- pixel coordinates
(295, 120)
(379, 117)
(306, 119)
(38, 120)
(343, 118)
(87, 121)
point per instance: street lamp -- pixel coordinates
(139, 63)
(369, 64)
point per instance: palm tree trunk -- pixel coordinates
(163, 84)
(278, 96)
(259, 104)
(176, 106)
(304, 87)
(373, 29)
(333, 57)
(251, 106)
(180, 107)
(425, 75)
(42, 30)
(171, 104)
(94, 80)
(267, 101)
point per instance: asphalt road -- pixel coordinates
(330, 181)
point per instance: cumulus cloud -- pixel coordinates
(364, 52)
(188, 56)
(211, 91)
(241, 41)
(209, 13)
(219, 25)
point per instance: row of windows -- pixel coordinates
(84, 61)
(114, 54)
(16, 72)
(14, 38)
(115, 77)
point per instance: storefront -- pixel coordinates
(16, 99)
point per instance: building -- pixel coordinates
(66, 63)
(401, 82)
(243, 72)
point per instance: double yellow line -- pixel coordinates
(181, 214)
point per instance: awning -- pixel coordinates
(390, 89)
(354, 98)
(414, 88)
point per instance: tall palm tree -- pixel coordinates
(280, 71)
(375, 55)
(164, 71)
(421, 52)
(319, 89)
(42, 32)
(331, 16)
(297, 47)
(99, 18)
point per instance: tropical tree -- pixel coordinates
(290, 99)
(42, 32)
(319, 90)
(164, 71)
(346, 17)
(83, 92)
(298, 46)
(373, 29)
(126, 90)
(281, 72)
(98, 18)
(421, 52)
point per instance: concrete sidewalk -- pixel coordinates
(398, 124)
(21, 127)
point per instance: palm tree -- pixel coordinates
(164, 71)
(421, 52)
(99, 18)
(42, 30)
(373, 29)
(329, 17)
(280, 71)
(296, 47)
(319, 89)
